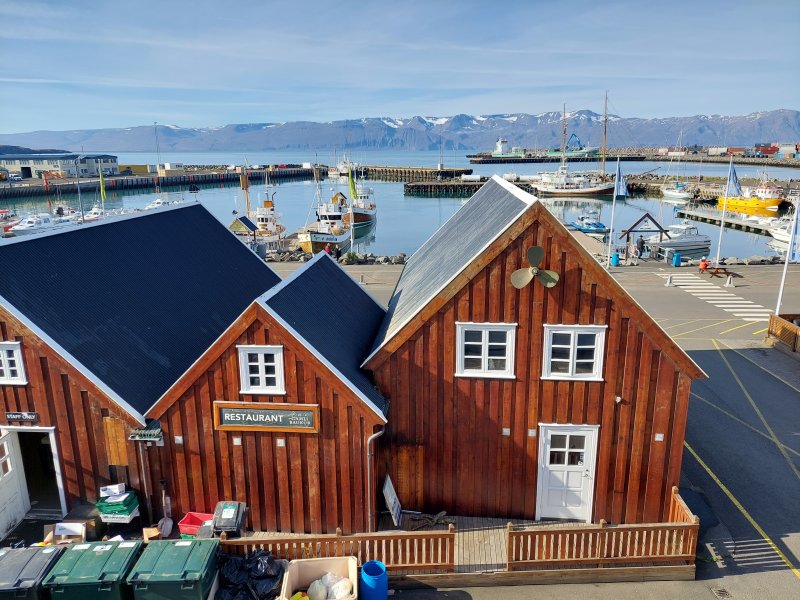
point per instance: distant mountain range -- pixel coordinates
(460, 132)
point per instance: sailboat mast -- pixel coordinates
(724, 209)
(564, 135)
(605, 129)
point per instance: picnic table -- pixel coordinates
(720, 271)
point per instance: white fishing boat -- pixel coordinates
(363, 210)
(157, 203)
(329, 227)
(676, 191)
(270, 229)
(782, 231)
(680, 236)
(578, 183)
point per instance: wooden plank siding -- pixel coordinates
(466, 465)
(91, 430)
(313, 483)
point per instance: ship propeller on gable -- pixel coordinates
(522, 277)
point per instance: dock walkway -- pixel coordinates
(715, 218)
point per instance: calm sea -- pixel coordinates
(404, 223)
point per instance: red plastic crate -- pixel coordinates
(192, 522)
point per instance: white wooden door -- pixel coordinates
(566, 472)
(14, 501)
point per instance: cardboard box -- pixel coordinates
(64, 533)
(302, 572)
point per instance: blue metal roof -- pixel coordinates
(486, 215)
(134, 300)
(334, 316)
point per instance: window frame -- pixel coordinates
(509, 329)
(244, 376)
(22, 376)
(573, 331)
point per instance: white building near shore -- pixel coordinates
(59, 165)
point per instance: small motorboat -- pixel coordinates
(589, 224)
(680, 236)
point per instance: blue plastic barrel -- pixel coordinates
(676, 259)
(615, 259)
(374, 583)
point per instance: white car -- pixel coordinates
(15, 177)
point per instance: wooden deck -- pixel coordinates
(480, 541)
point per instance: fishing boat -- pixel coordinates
(684, 237)
(328, 228)
(363, 211)
(589, 224)
(270, 229)
(764, 196)
(578, 183)
(782, 234)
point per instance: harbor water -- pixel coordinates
(404, 223)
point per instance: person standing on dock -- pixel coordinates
(328, 249)
(640, 246)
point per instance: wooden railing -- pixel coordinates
(783, 328)
(601, 545)
(409, 551)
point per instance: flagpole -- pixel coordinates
(613, 210)
(789, 252)
(724, 209)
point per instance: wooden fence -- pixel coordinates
(603, 545)
(409, 551)
(783, 328)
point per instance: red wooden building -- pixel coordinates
(567, 402)
(166, 354)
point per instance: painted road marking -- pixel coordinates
(750, 360)
(743, 510)
(733, 328)
(756, 409)
(720, 298)
(703, 327)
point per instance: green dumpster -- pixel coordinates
(175, 570)
(22, 571)
(94, 571)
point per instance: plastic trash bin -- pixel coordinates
(93, 571)
(175, 570)
(193, 521)
(302, 572)
(374, 582)
(22, 571)
(615, 259)
(676, 259)
(229, 517)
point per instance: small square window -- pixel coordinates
(261, 370)
(11, 367)
(485, 349)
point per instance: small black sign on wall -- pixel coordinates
(27, 417)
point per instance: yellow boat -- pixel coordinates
(766, 197)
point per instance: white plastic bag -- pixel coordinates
(317, 590)
(341, 590)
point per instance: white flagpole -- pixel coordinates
(613, 209)
(724, 209)
(789, 250)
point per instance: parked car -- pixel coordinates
(15, 177)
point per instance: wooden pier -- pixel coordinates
(451, 189)
(36, 187)
(715, 219)
(411, 173)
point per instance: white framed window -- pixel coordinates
(261, 370)
(485, 349)
(12, 370)
(573, 352)
(5, 459)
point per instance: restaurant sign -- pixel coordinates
(27, 417)
(267, 417)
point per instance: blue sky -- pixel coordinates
(74, 64)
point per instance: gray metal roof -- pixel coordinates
(133, 301)
(493, 208)
(334, 318)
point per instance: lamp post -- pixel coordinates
(78, 182)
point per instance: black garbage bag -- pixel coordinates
(234, 571)
(235, 592)
(265, 589)
(262, 565)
